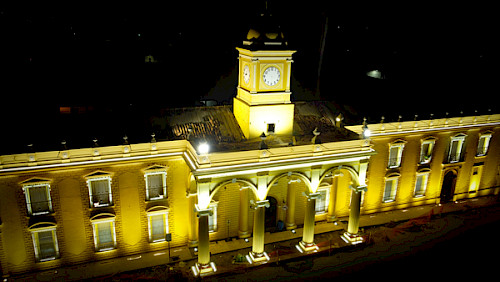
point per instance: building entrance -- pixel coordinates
(271, 214)
(448, 187)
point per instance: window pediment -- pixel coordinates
(35, 181)
(97, 174)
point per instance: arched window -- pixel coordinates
(396, 153)
(44, 239)
(391, 187)
(157, 223)
(421, 180)
(103, 226)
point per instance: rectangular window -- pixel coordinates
(38, 199)
(270, 128)
(482, 146)
(426, 151)
(323, 200)
(155, 186)
(455, 152)
(100, 192)
(212, 219)
(395, 153)
(391, 185)
(158, 226)
(421, 184)
(45, 243)
(104, 235)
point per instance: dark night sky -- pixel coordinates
(92, 55)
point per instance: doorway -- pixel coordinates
(448, 187)
(271, 214)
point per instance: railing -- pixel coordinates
(156, 192)
(40, 207)
(101, 199)
(394, 162)
(482, 151)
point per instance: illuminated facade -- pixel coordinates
(73, 206)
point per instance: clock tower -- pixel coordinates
(262, 102)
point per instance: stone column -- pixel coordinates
(193, 221)
(307, 243)
(257, 253)
(204, 265)
(290, 202)
(243, 231)
(352, 235)
(331, 202)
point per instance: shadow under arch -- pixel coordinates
(299, 175)
(352, 171)
(230, 181)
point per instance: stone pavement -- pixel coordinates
(280, 246)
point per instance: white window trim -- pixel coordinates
(113, 230)
(424, 183)
(431, 143)
(213, 206)
(89, 185)
(36, 246)
(164, 178)
(26, 190)
(486, 144)
(327, 199)
(400, 146)
(394, 188)
(460, 139)
(165, 224)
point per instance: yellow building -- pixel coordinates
(222, 177)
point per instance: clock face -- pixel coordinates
(246, 74)
(271, 76)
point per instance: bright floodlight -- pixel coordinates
(367, 132)
(203, 148)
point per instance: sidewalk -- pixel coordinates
(279, 246)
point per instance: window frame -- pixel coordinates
(110, 193)
(326, 200)
(156, 211)
(163, 173)
(458, 154)
(424, 183)
(213, 206)
(426, 157)
(394, 188)
(399, 144)
(103, 218)
(35, 231)
(26, 191)
(486, 144)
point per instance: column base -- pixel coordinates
(306, 247)
(244, 234)
(193, 244)
(255, 257)
(200, 269)
(352, 238)
(290, 226)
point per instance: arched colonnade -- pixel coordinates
(259, 187)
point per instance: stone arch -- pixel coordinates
(352, 171)
(299, 175)
(234, 180)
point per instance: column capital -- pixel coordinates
(313, 196)
(359, 188)
(263, 203)
(202, 212)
